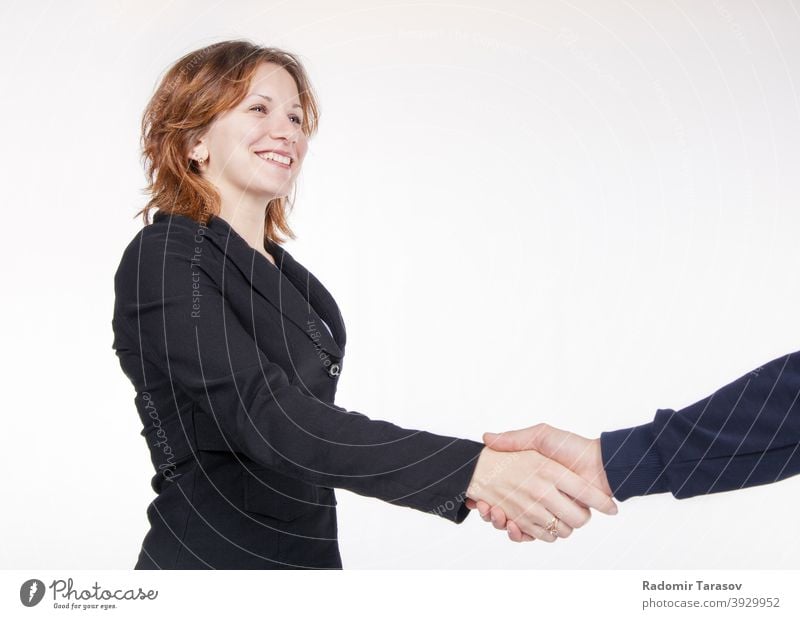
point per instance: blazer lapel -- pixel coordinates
(288, 286)
(315, 295)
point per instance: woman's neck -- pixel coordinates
(248, 222)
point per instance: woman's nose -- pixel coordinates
(284, 128)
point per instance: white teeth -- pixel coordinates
(276, 157)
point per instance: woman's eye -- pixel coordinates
(263, 108)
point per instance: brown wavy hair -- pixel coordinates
(194, 90)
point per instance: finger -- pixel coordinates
(563, 530)
(514, 440)
(484, 508)
(498, 517)
(562, 527)
(581, 490)
(534, 519)
(525, 536)
(555, 527)
(515, 534)
(566, 509)
(539, 533)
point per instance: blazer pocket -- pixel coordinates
(273, 494)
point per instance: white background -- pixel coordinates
(527, 211)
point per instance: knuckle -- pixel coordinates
(581, 518)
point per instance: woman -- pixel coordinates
(746, 433)
(235, 349)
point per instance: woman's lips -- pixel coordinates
(274, 161)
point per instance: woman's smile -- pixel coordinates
(275, 158)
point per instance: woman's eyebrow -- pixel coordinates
(255, 94)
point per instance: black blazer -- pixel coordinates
(235, 375)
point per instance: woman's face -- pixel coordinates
(245, 147)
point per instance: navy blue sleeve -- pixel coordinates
(745, 434)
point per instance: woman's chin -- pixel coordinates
(275, 188)
(264, 194)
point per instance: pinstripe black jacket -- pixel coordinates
(235, 363)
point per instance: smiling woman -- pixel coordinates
(253, 151)
(240, 353)
(207, 116)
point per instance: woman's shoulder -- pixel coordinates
(167, 224)
(166, 230)
(168, 239)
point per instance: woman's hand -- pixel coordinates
(532, 491)
(579, 454)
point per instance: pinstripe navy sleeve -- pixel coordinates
(745, 434)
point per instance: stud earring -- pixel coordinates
(201, 161)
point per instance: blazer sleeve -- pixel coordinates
(185, 325)
(745, 434)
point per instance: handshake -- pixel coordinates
(539, 483)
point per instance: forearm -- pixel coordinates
(271, 422)
(745, 434)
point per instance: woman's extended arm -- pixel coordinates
(210, 356)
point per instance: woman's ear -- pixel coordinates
(199, 152)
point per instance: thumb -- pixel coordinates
(557, 444)
(514, 440)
